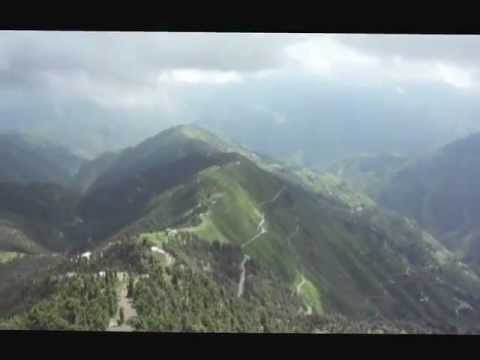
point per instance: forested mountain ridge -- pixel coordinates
(182, 219)
(439, 191)
(26, 159)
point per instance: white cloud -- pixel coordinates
(267, 73)
(324, 55)
(331, 58)
(454, 76)
(109, 94)
(195, 76)
(130, 71)
(415, 71)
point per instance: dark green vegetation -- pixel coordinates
(27, 159)
(176, 297)
(23, 282)
(37, 207)
(198, 293)
(89, 172)
(440, 192)
(84, 302)
(214, 238)
(37, 217)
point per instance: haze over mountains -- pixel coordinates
(343, 123)
(239, 182)
(285, 95)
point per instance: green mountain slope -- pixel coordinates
(136, 174)
(441, 192)
(27, 159)
(278, 248)
(37, 217)
(91, 170)
(347, 262)
(369, 174)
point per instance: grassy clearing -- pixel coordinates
(234, 217)
(208, 230)
(154, 238)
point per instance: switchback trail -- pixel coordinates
(277, 195)
(242, 275)
(299, 286)
(261, 229)
(299, 289)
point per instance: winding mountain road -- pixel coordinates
(241, 283)
(261, 229)
(203, 215)
(309, 310)
(462, 305)
(300, 284)
(277, 195)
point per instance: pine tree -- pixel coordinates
(130, 288)
(121, 316)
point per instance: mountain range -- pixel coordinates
(439, 191)
(156, 231)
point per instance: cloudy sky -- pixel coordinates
(154, 80)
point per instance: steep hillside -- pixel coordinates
(24, 281)
(441, 193)
(27, 159)
(182, 221)
(339, 253)
(91, 170)
(136, 174)
(355, 264)
(37, 217)
(368, 173)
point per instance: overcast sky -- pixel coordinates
(165, 78)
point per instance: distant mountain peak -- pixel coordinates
(194, 132)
